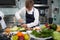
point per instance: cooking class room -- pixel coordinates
(29, 19)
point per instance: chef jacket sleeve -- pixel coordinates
(2, 22)
(1, 14)
(17, 14)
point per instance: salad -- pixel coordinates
(43, 33)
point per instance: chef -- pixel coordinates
(2, 22)
(28, 16)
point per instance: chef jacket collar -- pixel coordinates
(30, 10)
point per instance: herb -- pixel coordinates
(43, 33)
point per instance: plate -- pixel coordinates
(32, 36)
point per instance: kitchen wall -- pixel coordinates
(11, 11)
(20, 4)
(56, 15)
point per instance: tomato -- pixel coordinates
(19, 34)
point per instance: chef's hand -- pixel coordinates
(24, 25)
(28, 28)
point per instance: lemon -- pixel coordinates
(26, 37)
(14, 37)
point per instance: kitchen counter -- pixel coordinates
(36, 39)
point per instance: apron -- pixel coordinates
(30, 18)
(0, 18)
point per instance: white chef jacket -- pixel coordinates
(2, 22)
(22, 13)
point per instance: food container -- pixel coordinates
(26, 35)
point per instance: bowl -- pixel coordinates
(36, 38)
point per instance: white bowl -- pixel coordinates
(32, 36)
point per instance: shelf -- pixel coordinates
(41, 6)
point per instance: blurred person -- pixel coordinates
(28, 16)
(2, 22)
